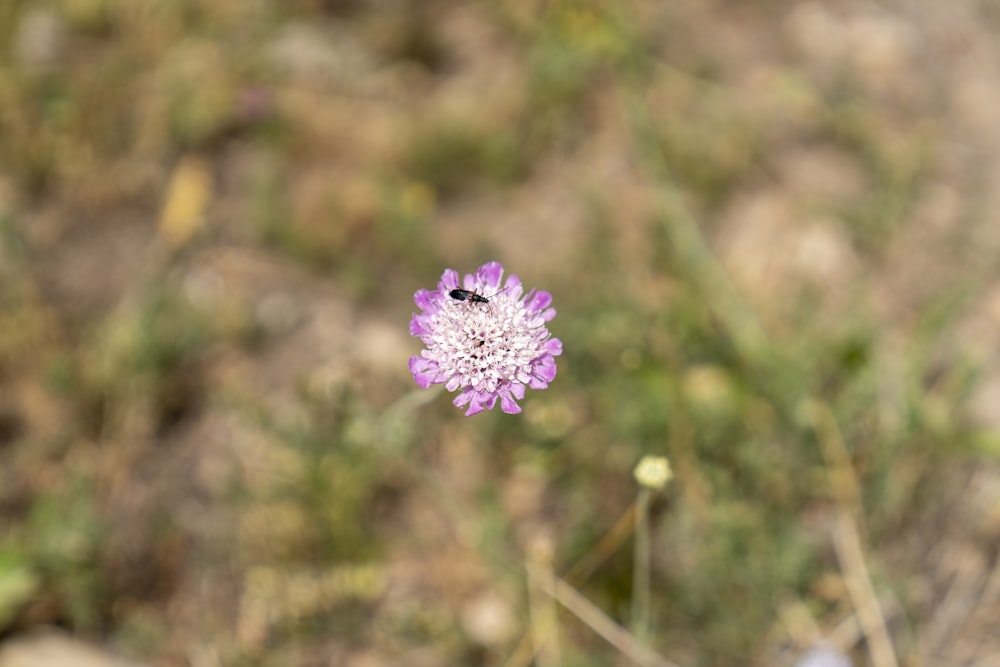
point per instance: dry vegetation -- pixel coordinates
(772, 231)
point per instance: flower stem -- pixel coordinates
(640, 570)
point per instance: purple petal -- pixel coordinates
(544, 371)
(449, 281)
(463, 397)
(553, 346)
(538, 381)
(548, 314)
(489, 275)
(423, 300)
(538, 301)
(477, 400)
(475, 406)
(535, 383)
(423, 371)
(517, 389)
(545, 368)
(420, 325)
(508, 405)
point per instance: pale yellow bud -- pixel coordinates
(653, 472)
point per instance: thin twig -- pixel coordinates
(861, 591)
(600, 623)
(544, 624)
(612, 540)
(846, 634)
(844, 484)
(610, 543)
(847, 492)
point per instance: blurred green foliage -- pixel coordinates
(19, 583)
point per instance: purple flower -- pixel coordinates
(822, 656)
(487, 348)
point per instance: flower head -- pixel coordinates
(822, 656)
(653, 472)
(489, 347)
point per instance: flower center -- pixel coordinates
(482, 345)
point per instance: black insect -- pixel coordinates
(471, 297)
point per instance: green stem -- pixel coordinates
(640, 571)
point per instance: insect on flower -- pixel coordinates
(472, 297)
(486, 354)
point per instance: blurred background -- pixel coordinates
(772, 233)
